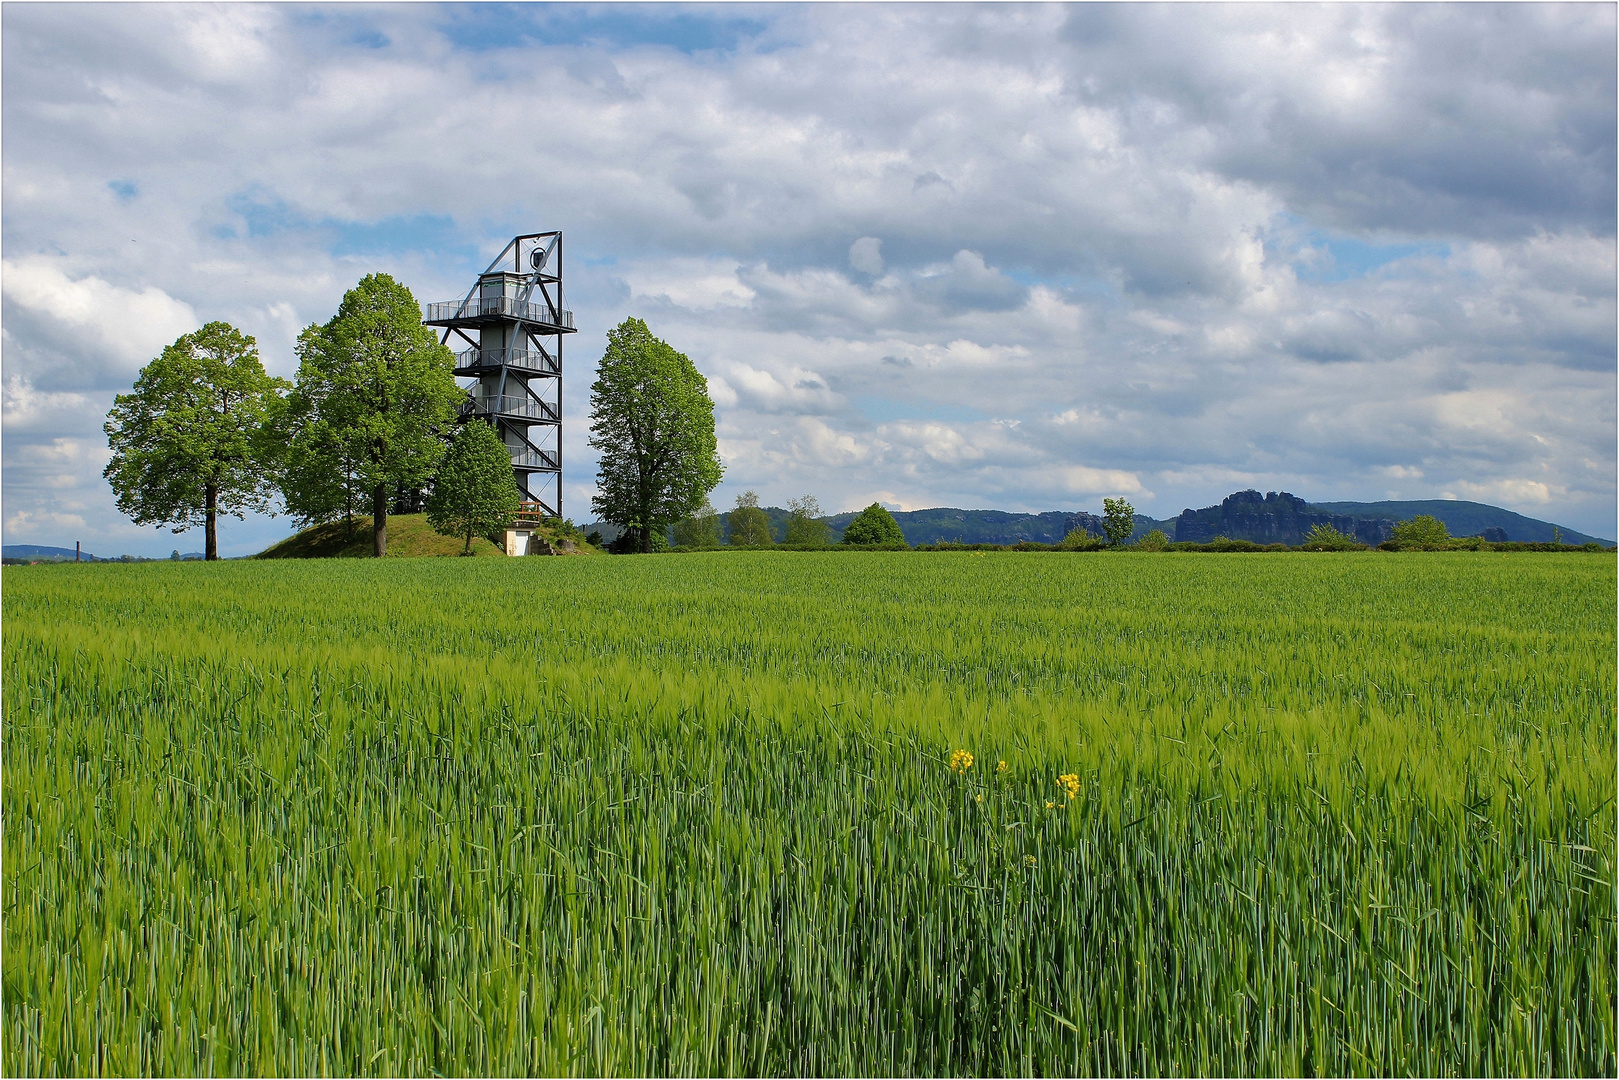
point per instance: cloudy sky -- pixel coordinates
(1016, 257)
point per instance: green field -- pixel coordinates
(696, 814)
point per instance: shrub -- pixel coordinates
(1225, 543)
(874, 525)
(1323, 537)
(1422, 533)
(1080, 539)
(1154, 541)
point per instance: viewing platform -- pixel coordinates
(476, 311)
(537, 460)
(513, 406)
(531, 362)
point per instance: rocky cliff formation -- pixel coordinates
(1273, 518)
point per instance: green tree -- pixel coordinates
(873, 525)
(374, 396)
(474, 492)
(187, 442)
(320, 475)
(803, 527)
(1118, 520)
(749, 525)
(701, 529)
(1422, 531)
(653, 423)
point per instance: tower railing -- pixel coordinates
(535, 459)
(513, 405)
(477, 306)
(527, 359)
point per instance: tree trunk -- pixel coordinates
(379, 519)
(468, 549)
(210, 547)
(646, 540)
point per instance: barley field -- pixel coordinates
(766, 813)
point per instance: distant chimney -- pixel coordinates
(76, 544)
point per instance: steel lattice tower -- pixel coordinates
(516, 311)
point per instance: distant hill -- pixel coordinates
(40, 552)
(1277, 517)
(949, 525)
(1464, 519)
(1271, 517)
(945, 524)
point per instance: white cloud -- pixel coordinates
(697, 284)
(130, 325)
(866, 255)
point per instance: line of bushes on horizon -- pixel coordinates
(1217, 545)
(1422, 533)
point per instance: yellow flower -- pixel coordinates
(980, 798)
(1029, 859)
(960, 761)
(1050, 805)
(1003, 768)
(1069, 782)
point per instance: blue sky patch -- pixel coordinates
(124, 189)
(391, 235)
(1350, 258)
(881, 410)
(480, 27)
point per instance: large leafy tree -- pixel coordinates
(473, 493)
(653, 423)
(1118, 520)
(187, 442)
(873, 525)
(374, 396)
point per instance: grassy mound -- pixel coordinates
(409, 536)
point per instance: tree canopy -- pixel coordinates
(653, 424)
(873, 525)
(186, 442)
(1118, 520)
(1424, 530)
(373, 397)
(803, 527)
(701, 529)
(474, 492)
(749, 525)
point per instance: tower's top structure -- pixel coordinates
(516, 310)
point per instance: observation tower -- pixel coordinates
(512, 323)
